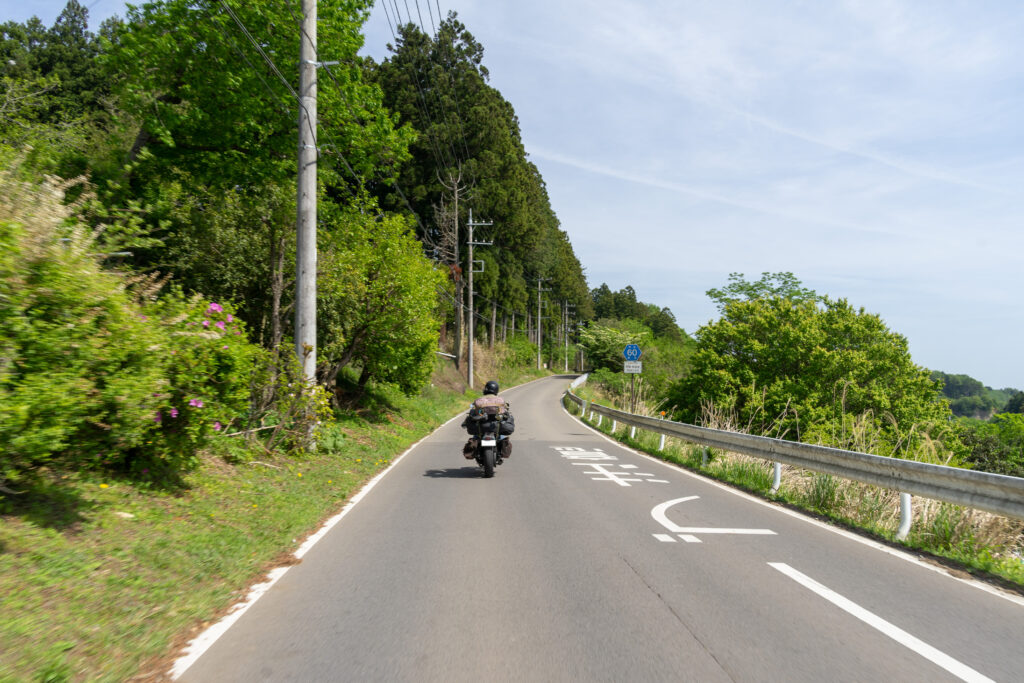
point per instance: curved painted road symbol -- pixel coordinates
(686, 533)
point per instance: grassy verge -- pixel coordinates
(977, 542)
(103, 579)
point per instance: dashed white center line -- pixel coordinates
(958, 669)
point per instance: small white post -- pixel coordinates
(704, 457)
(632, 431)
(599, 419)
(661, 446)
(615, 424)
(905, 512)
(776, 477)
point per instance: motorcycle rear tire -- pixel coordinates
(488, 463)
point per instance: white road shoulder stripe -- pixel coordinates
(958, 669)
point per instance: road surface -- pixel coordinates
(584, 561)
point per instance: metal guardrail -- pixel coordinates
(996, 493)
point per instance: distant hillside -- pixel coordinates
(968, 397)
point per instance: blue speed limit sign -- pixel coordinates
(631, 352)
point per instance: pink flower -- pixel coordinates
(215, 308)
(220, 324)
(157, 417)
(217, 426)
(225, 347)
(206, 323)
(174, 412)
(231, 318)
(196, 403)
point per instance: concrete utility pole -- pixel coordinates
(472, 269)
(305, 255)
(540, 364)
(565, 314)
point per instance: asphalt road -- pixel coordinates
(560, 569)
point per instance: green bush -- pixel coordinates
(519, 352)
(94, 371)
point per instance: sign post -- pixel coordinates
(632, 367)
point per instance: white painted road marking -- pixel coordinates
(958, 669)
(664, 538)
(686, 533)
(620, 478)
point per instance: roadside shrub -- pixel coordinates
(519, 352)
(94, 370)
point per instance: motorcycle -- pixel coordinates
(489, 444)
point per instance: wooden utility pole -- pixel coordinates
(305, 256)
(472, 269)
(451, 242)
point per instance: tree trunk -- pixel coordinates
(494, 322)
(276, 290)
(458, 322)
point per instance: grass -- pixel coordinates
(978, 542)
(104, 579)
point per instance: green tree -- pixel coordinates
(784, 285)
(799, 368)
(470, 137)
(1015, 404)
(378, 295)
(997, 446)
(604, 340)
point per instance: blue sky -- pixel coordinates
(873, 148)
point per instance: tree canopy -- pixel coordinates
(798, 366)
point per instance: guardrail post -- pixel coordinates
(632, 431)
(615, 424)
(776, 477)
(704, 457)
(600, 417)
(661, 445)
(905, 511)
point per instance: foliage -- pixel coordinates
(469, 137)
(799, 367)
(604, 340)
(623, 305)
(970, 398)
(377, 295)
(520, 352)
(95, 372)
(783, 285)
(997, 446)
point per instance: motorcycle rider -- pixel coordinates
(492, 405)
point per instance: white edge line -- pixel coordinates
(937, 657)
(895, 552)
(201, 643)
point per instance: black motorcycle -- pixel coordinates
(489, 443)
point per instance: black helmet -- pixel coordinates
(491, 387)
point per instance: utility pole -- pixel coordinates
(565, 327)
(539, 330)
(456, 187)
(305, 257)
(472, 269)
